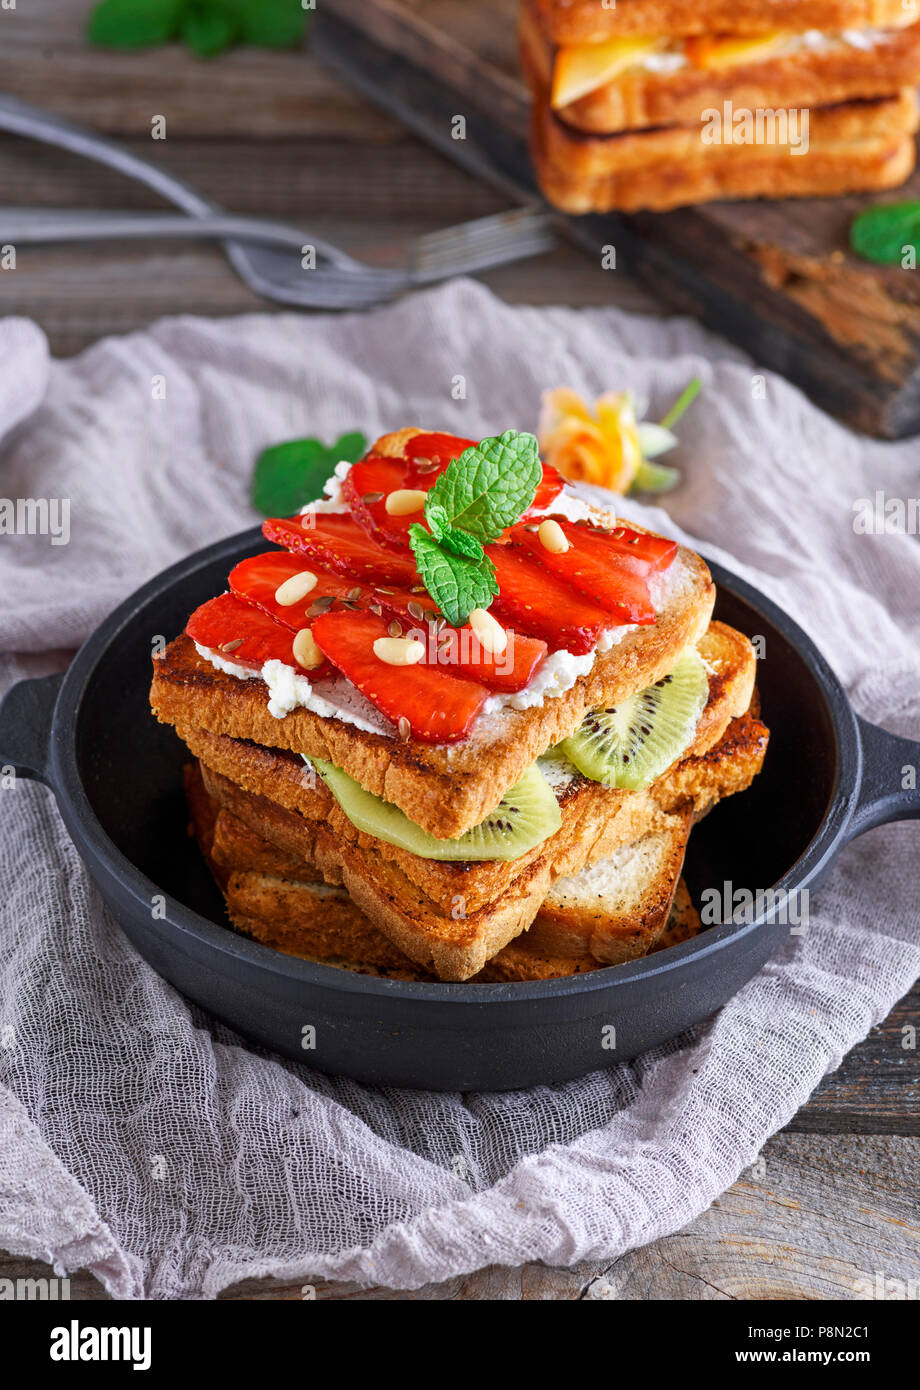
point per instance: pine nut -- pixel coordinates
(492, 636)
(553, 538)
(295, 588)
(405, 500)
(399, 651)
(306, 653)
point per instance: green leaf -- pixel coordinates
(134, 23)
(208, 29)
(350, 447)
(271, 23)
(884, 233)
(462, 543)
(457, 584)
(291, 474)
(489, 486)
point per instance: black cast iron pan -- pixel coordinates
(116, 773)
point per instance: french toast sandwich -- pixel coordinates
(362, 756)
(648, 105)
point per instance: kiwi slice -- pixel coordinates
(631, 745)
(526, 815)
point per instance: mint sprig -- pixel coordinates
(456, 583)
(477, 497)
(489, 486)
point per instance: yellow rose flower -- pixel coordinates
(598, 446)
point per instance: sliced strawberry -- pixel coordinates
(547, 491)
(423, 450)
(366, 488)
(336, 542)
(597, 569)
(460, 650)
(243, 635)
(439, 708)
(655, 553)
(258, 579)
(534, 601)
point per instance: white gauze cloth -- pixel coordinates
(146, 1142)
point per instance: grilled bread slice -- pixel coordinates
(589, 21)
(787, 76)
(594, 912)
(595, 818)
(870, 125)
(864, 167)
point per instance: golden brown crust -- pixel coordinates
(445, 790)
(819, 174)
(588, 21)
(805, 78)
(587, 158)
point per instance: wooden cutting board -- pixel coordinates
(774, 277)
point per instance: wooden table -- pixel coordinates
(273, 134)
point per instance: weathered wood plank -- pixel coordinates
(812, 1220)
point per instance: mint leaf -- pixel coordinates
(882, 234)
(457, 584)
(134, 23)
(289, 475)
(208, 29)
(488, 487)
(270, 23)
(462, 543)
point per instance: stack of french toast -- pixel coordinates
(398, 772)
(654, 104)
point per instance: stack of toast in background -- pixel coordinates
(654, 104)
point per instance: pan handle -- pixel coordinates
(889, 788)
(25, 727)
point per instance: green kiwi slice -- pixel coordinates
(526, 815)
(631, 745)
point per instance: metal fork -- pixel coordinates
(262, 252)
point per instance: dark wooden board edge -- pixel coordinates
(388, 56)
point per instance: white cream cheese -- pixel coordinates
(332, 488)
(673, 59)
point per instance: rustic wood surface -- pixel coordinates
(783, 283)
(275, 134)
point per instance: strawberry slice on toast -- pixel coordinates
(238, 633)
(596, 567)
(437, 708)
(534, 601)
(336, 542)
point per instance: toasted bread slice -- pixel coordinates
(866, 167)
(322, 923)
(588, 21)
(594, 912)
(595, 818)
(445, 789)
(793, 75)
(855, 125)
